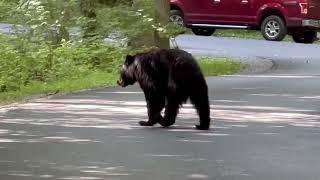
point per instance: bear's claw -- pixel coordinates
(199, 127)
(145, 123)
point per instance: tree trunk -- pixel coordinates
(152, 38)
(162, 17)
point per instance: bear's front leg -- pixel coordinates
(171, 111)
(153, 119)
(155, 104)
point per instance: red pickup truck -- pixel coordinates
(275, 18)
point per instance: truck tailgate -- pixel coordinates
(313, 9)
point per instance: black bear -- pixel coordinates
(168, 77)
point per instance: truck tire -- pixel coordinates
(176, 16)
(203, 31)
(307, 37)
(273, 28)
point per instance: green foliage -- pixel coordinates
(6, 6)
(23, 62)
(93, 79)
(46, 59)
(45, 54)
(219, 66)
(48, 19)
(51, 20)
(134, 23)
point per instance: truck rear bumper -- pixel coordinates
(313, 23)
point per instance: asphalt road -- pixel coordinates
(266, 126)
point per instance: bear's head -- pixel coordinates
(127, 73)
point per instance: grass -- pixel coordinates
(209, 66)
(244, 34)
(247, 34)
(92, 80)
(219, 66)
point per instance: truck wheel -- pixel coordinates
(273, 28)
(307, 37)
(203, 31)
(176, 16)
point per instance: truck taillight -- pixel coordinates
(304, 8)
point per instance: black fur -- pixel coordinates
(168, 78)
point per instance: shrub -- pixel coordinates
(24, 62)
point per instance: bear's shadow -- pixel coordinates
(178, 128)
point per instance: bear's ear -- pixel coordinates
(129, 59)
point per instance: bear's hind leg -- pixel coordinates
(201, 103)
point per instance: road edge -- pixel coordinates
(255, 65)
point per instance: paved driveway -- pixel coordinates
(266, 126)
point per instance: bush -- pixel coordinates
(49, 51)
(6, 6)
(24, 62)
